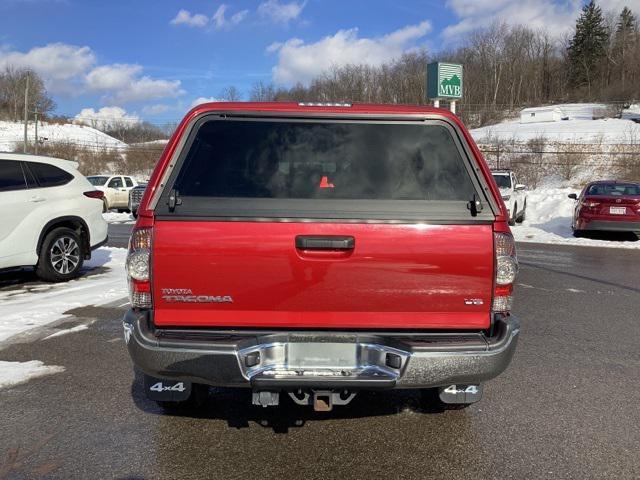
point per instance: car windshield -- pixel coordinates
(503, 181)
(97, 180)
(614, 189)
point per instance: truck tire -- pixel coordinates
(512, 220)
(523, 215)
(61, 255)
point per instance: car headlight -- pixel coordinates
(506, 197)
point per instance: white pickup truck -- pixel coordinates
(513, 194)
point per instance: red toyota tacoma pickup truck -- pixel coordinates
(317, 250)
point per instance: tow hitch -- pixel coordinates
(322, 400)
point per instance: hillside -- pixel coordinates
(12, 134)
(578, 127)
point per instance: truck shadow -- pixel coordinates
(233, 405)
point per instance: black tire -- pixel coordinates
(523, 215)
(134, 213)
(196, 400)
(578, 233)
(431, 402)
(61, 255)
(512, 220)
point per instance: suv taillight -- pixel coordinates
(139, 267)
(506, 271)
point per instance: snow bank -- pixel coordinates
(103, 281)
(12, 373)
(12, 135)
(114, 217)
(549, 215)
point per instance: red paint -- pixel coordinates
(397, 276)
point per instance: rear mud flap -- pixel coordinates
(163, 390)
(460, 394)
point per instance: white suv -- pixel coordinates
(116, 189)
(513, 194)
(50, 216)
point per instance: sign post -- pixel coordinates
(445, 82)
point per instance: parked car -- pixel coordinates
(116, 190)
(513, 194)
(135, 196)
(317, 250)
(607, 205)
(51, 216)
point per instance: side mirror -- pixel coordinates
(573, 196)
(520, 187)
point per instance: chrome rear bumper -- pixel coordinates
(267, 360)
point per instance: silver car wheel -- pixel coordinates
(65, 255)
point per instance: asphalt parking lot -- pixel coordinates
(568, 406)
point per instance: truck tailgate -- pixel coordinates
(397, 276)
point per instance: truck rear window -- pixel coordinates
(287, 169)
(297, 160)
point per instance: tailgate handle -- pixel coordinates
(325, 242)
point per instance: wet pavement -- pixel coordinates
(568, 406)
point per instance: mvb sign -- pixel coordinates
(444, 80)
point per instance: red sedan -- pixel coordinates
(607, 206)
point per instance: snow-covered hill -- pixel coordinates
(578, 128)
(12, 134)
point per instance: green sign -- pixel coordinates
(444, 80)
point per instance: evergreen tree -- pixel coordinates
(587, 49)
(624, 42)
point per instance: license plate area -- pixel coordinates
(321, 359)
(617, 210)
(321, 355)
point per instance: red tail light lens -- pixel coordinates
(139, 267)
(94, 194)
(506, 271)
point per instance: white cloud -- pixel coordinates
(184, 17)
(280, 12)
(105, 118)
(155, 109)
(300, 62)
(59, 64)
(200, 100)
(555, 16)
(220, 20)
(122, 83)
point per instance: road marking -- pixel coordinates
(123, 305)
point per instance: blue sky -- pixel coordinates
(153, 59)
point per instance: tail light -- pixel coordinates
(506, 271)
(589, 204)
(139, 267)
(98, 194)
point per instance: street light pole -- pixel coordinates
(36, 142)
(26, 113)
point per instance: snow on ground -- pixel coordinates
(103, 281)
(12, 135)
(59, 333)
(12, 373)
(115, 217)
(548, 220)
(609, 130)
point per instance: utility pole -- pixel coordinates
(36, 143)
(26, 113)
